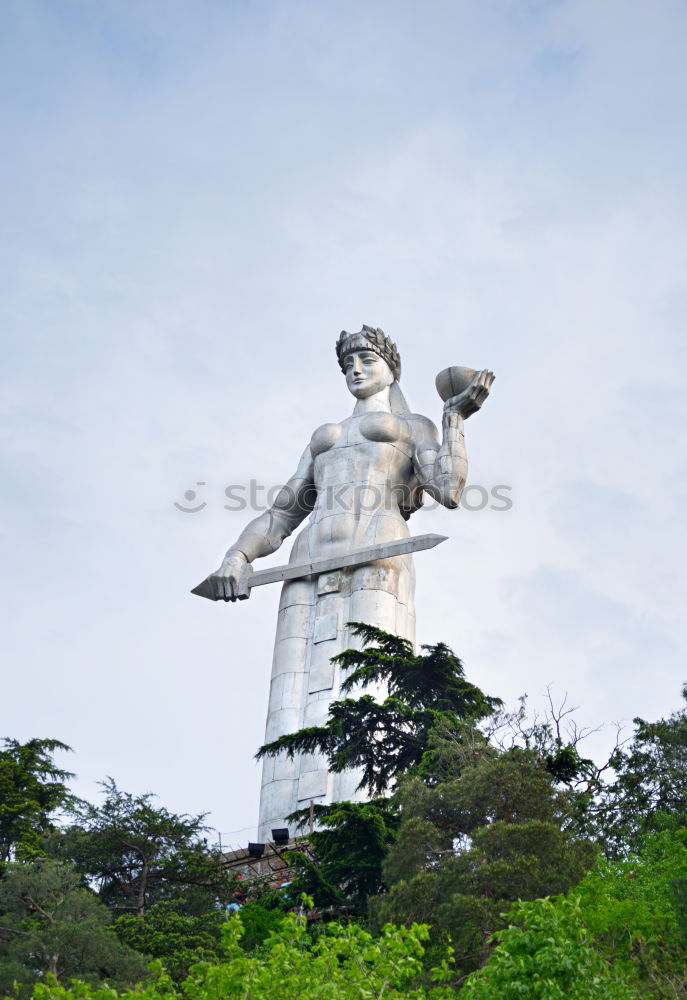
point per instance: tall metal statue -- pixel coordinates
(357, 483)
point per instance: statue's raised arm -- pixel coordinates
(442, 468)
(265, 533)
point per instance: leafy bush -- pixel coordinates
(635, 910)
(547, 953)
(342, 963)
(619, 934)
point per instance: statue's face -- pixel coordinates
(366, 373)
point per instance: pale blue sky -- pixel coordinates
(197, 198)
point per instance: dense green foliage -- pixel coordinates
(262, 915)
(343, 867)
(141, 854)
(547, 953)
(160, 891)
(496, 860)
(32, 790)
(471, 844)
(651, 780)
(178, 939)
(343, 963)
(51, 923)
(165, 889)
(621, 933)
(635, 908)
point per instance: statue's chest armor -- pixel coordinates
(361, 447)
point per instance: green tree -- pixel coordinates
(489, 830)
(139, 855)
(32, 791)
(178, 939)
(547, 953)
(342, 963)
(651, 781)
(51, 923)
(386, 739)
(555, 738)
(621, 932)
(343, 864)
(635, 908)
(262, 914)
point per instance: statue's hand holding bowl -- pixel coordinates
(232, 580)
(463, 389)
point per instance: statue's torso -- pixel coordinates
(363, 469)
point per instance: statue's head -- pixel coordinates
(369, 360)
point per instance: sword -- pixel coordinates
(358, 557)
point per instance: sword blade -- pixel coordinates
(358, 557)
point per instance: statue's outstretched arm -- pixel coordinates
(442, 468)
(265, 533)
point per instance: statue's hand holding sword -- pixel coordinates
(235, 577)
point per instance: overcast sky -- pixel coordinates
(197, 197)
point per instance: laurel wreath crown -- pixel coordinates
(375, 340)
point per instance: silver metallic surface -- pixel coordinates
(359, 557)
(357, 483)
